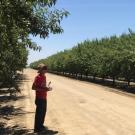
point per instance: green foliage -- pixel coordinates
(112, 57)
(19, 19)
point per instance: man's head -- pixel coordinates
(42, 69)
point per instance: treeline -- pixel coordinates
(111, 57)
(19, 19)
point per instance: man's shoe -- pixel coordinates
(36, 130)
(44, 128)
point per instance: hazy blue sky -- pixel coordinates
(88, 19)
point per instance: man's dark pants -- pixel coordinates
(41, 108)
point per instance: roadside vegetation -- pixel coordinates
(111, 58)
(18, 20)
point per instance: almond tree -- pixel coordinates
(19, 19)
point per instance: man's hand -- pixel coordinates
(43, 88)
(49, 88)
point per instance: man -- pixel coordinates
(41, 89)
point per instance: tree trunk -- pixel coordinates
(81, 75)
(86, 75)
(94, 78)
(103, 79)
(113, 81)
(128, 82)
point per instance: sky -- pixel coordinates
(88, 19)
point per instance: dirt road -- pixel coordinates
(80, 108)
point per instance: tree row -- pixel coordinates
(111, 57)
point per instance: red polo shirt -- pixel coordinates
(40, 81)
